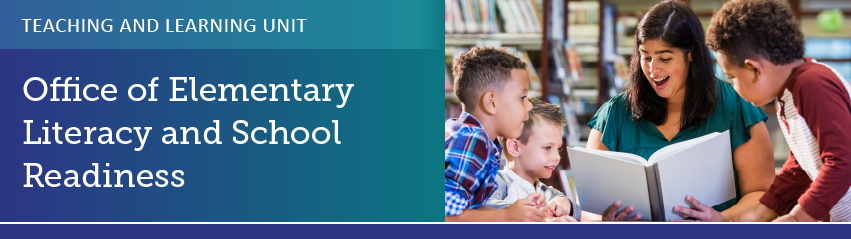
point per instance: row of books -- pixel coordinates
(583, 16)
(493, 16)
(568, 66)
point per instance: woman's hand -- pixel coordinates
(700, 212)
(609, 214)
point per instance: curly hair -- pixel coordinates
(541, 112)
(676, 25)
(481, 69)
(764, 28)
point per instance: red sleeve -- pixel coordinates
(787, 187)
(826, 107)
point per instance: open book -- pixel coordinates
(700, 167)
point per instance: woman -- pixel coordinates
(673, 96)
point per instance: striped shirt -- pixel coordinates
(472, 161)
(814, 110)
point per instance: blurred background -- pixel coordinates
(578, 51)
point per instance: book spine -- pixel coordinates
(459, 19)
(492, 16)
(448, 16)
(539, 20)
(477, 16)
(507, 20)
(519, 16)
(469, 15)
(655, 191)
(483, 12)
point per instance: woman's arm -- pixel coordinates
(595, 140)
(754, 162)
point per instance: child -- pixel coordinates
(491, 85)
(761, 47)
(533, 155)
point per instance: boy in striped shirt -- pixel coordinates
(761, 47)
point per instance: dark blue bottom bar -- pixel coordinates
(465, 231)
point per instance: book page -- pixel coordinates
(626, 157)
(601, 180)
(669, 150)
(704, 171)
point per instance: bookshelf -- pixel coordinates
(513, 24)
(530, 41)
(572, 50)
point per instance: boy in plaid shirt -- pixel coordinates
(491, 85)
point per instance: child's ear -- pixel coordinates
(756, 67)
(488, 103)
(513, 147)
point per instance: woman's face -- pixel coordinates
(665, 67)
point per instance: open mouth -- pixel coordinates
(661, 82)
(550, 167)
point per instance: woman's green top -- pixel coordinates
(642, 138)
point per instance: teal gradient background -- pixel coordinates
(378, 173)
(330, 24)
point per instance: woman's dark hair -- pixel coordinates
(676, 25)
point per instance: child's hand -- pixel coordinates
(561, 219)
(526, 210)
(560, 206)
(540, 200)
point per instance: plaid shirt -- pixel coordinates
(472, 162)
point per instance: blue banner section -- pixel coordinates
(353, 154)
(219, 24)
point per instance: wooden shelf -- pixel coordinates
(503, 38)
(584, 93)
(586, 30)
(622, 50)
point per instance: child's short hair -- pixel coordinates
(743, 29)
(541, 112)
(482, 68)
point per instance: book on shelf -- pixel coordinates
(568, 184)
(485, 16)
(448, 83)
(453, 110)
(574, 63)
(556, 22)
(559, 61)
(561, 67)
(534, 80)
(583, 13)
(471, 17)
(701, 167)
(571, 130)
